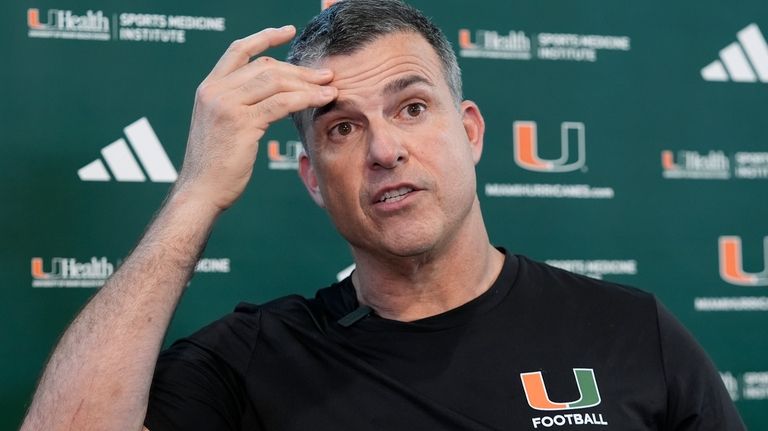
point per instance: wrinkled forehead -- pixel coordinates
(375, 60)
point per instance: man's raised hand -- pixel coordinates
(235, 105)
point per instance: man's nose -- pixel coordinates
(386, 148)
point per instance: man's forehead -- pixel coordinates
(379, 47)
(368, 45)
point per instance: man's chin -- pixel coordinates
(408, 246)
(405, 240)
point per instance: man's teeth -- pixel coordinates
(393, 194)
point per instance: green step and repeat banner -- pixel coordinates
(625, 141)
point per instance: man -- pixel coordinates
(435, 329)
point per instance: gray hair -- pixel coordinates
(348, 25)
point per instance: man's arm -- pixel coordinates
(100, 372)
(99, 375)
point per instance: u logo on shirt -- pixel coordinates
(536, 391)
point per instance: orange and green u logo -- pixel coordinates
(526, 148)
(536, 391)
(732, 267)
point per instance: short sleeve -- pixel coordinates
(697, 398)
(199, 381)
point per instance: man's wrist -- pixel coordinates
(193, 201)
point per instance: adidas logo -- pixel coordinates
(743, 61)
(123, 164)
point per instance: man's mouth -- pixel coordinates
(395, 195)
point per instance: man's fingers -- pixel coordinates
(265, 69)
(241, 50)
(269, 82)
(280, 105)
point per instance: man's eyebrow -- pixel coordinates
(334, 105)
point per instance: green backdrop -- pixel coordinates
(624, 141)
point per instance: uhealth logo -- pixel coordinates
(745, 60)
(694, 165)
(490, 44)
(123, 26)
(69, 272)
(527, 152)
(517, 45)
(123, 164)
(66, 25)
(732, 264)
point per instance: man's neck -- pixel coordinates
(412, 288)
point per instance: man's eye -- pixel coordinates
(343, 129)
(415, 109)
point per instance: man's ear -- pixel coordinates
(308, 177)
(474, 126)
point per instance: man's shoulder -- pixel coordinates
(296, 309)
(552, 282)
(241, 329)
(283, 304)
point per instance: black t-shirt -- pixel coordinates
(541, 349)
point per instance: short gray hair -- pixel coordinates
(348, 25)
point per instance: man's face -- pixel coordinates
(393, 158)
